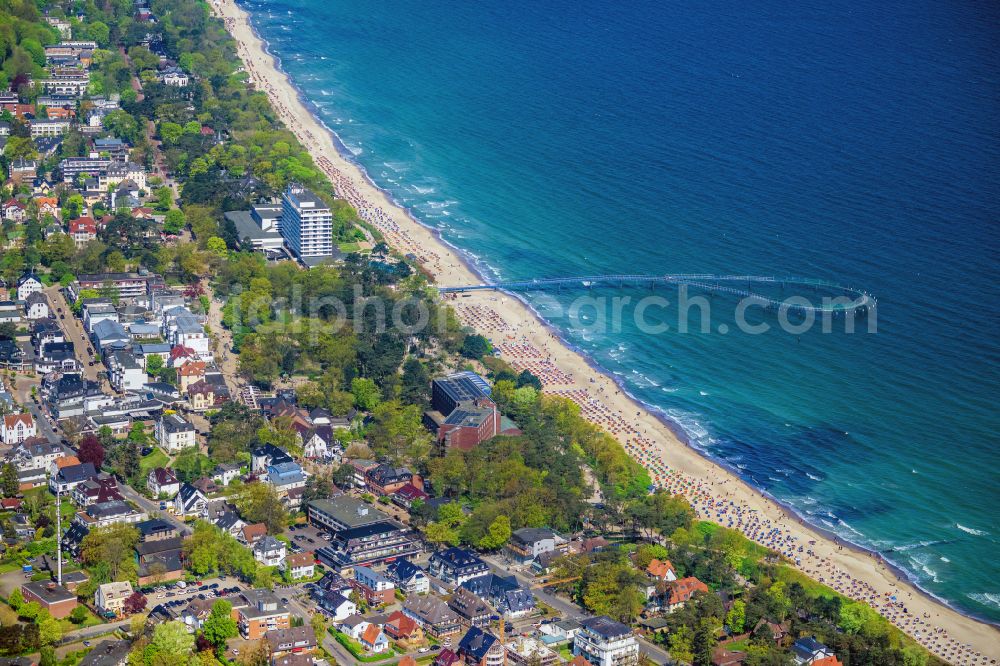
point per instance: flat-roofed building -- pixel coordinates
(306, 224)
(56, 599)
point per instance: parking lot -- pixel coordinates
(306, 538)
(174, 595)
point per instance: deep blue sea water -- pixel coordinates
(851, 141)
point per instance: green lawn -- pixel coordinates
(347, 248)
(155, 459)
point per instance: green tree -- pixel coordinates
(217, 246)
(476, 347)
(172, 638)
(736, 617)
(49, 629)
(174, 221)
(703, 643)
(11, 484)
(219, 625)
(682, 644)
(16, 599)
(366, 393)
(497, 535)
(259, 503)
(48, 656)
(78, 615)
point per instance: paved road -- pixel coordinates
(151, 507)
(72, 329)
(567, 608)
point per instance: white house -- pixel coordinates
(190, 502)
(224, 474)
(162, 482)
(605, 642)
(36, 306)
(125, 372)
(173, 433)
(270, 552)
(17, 428)
(110, 597)
(299, 565)
(28, 284)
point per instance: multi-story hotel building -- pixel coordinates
(306, 225)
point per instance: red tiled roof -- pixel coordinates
(659, 568)
(11, 420)
(371, 633)
(827, 661)
(681, 590)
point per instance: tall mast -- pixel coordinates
(58, 535)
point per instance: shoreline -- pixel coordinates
(525, 339)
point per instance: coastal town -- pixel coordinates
(216, 448)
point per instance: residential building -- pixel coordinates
(226, 473)
(108, 335)
(266, 456)
(251, 534)
(528, 543)
(97, 490)
(174, 77)
(110, 597)
(173, 433)
(67, 473)
(373, 639)
(401, 627)
(125, 372)
(528, 651)
(128, 286)
(259, 611)
(807, 650)
(299, 565)
(156, 529)
(28, 284)
(18, 427)
(680, 591)
(306, 225)
(408, 577)
(35, 454)
(386, 479)
(103, 514)
(108, 653)
(50, 126)
(661, 570)
(270, 552)
(433, 615)
(286, 477)
(471, 610)
(57, 600)
(504, 593)
(375, 588)
(368, 545)
(293, 639)
(480, 648)
(455, 565)
(605, 642)
(160, 560)
(190, 502)
(162, 482)
(36, 306)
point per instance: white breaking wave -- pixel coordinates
(969, 530)
(987, 598)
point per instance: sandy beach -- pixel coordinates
(526, 342)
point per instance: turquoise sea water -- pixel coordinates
(850, 141)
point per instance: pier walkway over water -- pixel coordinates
(803, 294)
